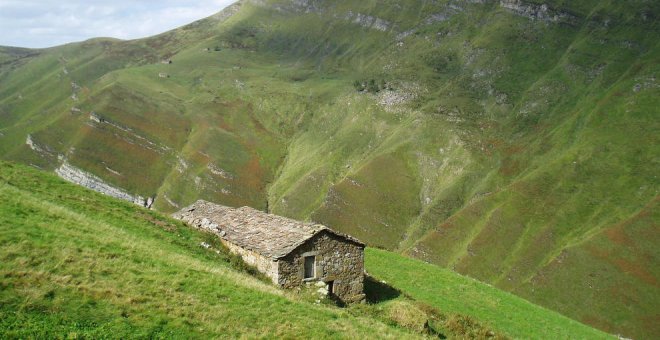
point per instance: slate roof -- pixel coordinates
(270, 235)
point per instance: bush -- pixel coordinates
(408, 315)
(466, 327)
(371, 85)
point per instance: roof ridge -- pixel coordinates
(271, 235)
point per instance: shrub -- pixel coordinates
(408, 315)
(358, 85)
(465, 327)
(372, 87)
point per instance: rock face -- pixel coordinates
(80, 177)
(535, 12)
(368, 21)
(34, 146)
(319, 7)
(291, 253)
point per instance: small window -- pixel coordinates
(310, 262)
(331, 287)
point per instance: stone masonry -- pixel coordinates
(291, 253)
(337, 261)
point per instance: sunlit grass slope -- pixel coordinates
(75, 264)
(452, 293)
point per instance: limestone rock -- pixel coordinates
(90, 181)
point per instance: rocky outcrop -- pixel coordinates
(219, 172)
(393, 101)
(128, 134)
(368, 21)
(227, 12)
(34, 146)
(536, 12)
(319, 7)
(90, 181)
(95, 117)
(171, 202)
(447, 13)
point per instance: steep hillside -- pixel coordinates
(75, 263)
(512, 141)
(452, 293)
(78, 264)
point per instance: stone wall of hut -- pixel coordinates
(263, 264)
(337, 260)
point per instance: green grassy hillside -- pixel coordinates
(75, 263)
(443, 289)
(512, 141)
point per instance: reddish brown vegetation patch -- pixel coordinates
(509, 167)
(617, 233)
(252, 174)
(652, 323)
(598, 322)
(637, 270)
(513, 149)
(222, 123)
(618, 236)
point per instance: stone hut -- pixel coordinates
(291, 253)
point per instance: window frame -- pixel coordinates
(313, 267)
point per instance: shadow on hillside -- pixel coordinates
(378, 291)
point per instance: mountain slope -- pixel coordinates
(78, 264)
(515, 142)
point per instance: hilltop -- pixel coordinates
(515, 142)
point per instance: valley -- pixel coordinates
(514, 142)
